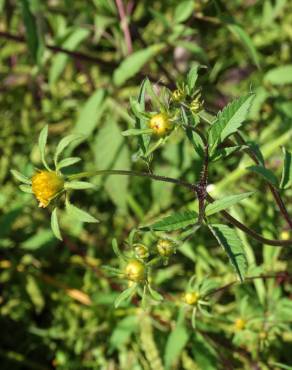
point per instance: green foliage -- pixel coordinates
(86, 78)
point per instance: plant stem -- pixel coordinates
(190, 186)
(124, 25)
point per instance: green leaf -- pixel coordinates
(111, 152)
(61, 59)
(174, 222)
(117, 251)
(79, 185)
(34, 293)
(42, 145)
(229, 240)
(63, 144)
(78, 213)
(136, 131)
(32, 32)
(229, 120)
(26, 188)
(89, 116)
(265, 173)
(192, 77)
(286, 180)
(280, 75)
(39, 240)
(133, 63)
(246, 41)
(55, 224)
(20, 177)
(154, 294)
(123, 331)
(183, 11)
(224, 203)
(141, 123)
(126, 294)
(67, 162)
(225, 152)
(176, 342)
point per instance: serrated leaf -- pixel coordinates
(246, 41)
(174, 222)
(81, 215)
(63, 144)
(79, 185)
(133, 63)
(20, 177)
(229, 240)
(67, 162)
(265, 173)
(55, 225)
(286, 180)
(224, 203)
(42, 145)
(126, 294)
(229, 120)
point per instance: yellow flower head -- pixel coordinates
(165, 247)
(135, 271)
(239, 324)
(191, 298)
(46, 185)
(160, 124)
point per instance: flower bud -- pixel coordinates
(191, 298)
(46, 185)
(160, 124)
(239, 324)
(165, 247)
(178, 95)
(196, 105)
(135, 271)
(141, 251)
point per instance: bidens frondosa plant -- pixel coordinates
(159, 114)
(50, 186)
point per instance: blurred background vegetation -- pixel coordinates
(74, 65)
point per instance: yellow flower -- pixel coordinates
(46, 185)
(160, 124)
(239, 324)
(191, 298)
(135, 271)
(165, 247)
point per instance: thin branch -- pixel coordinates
(124, 25)
(59, 49)
(190, 186)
